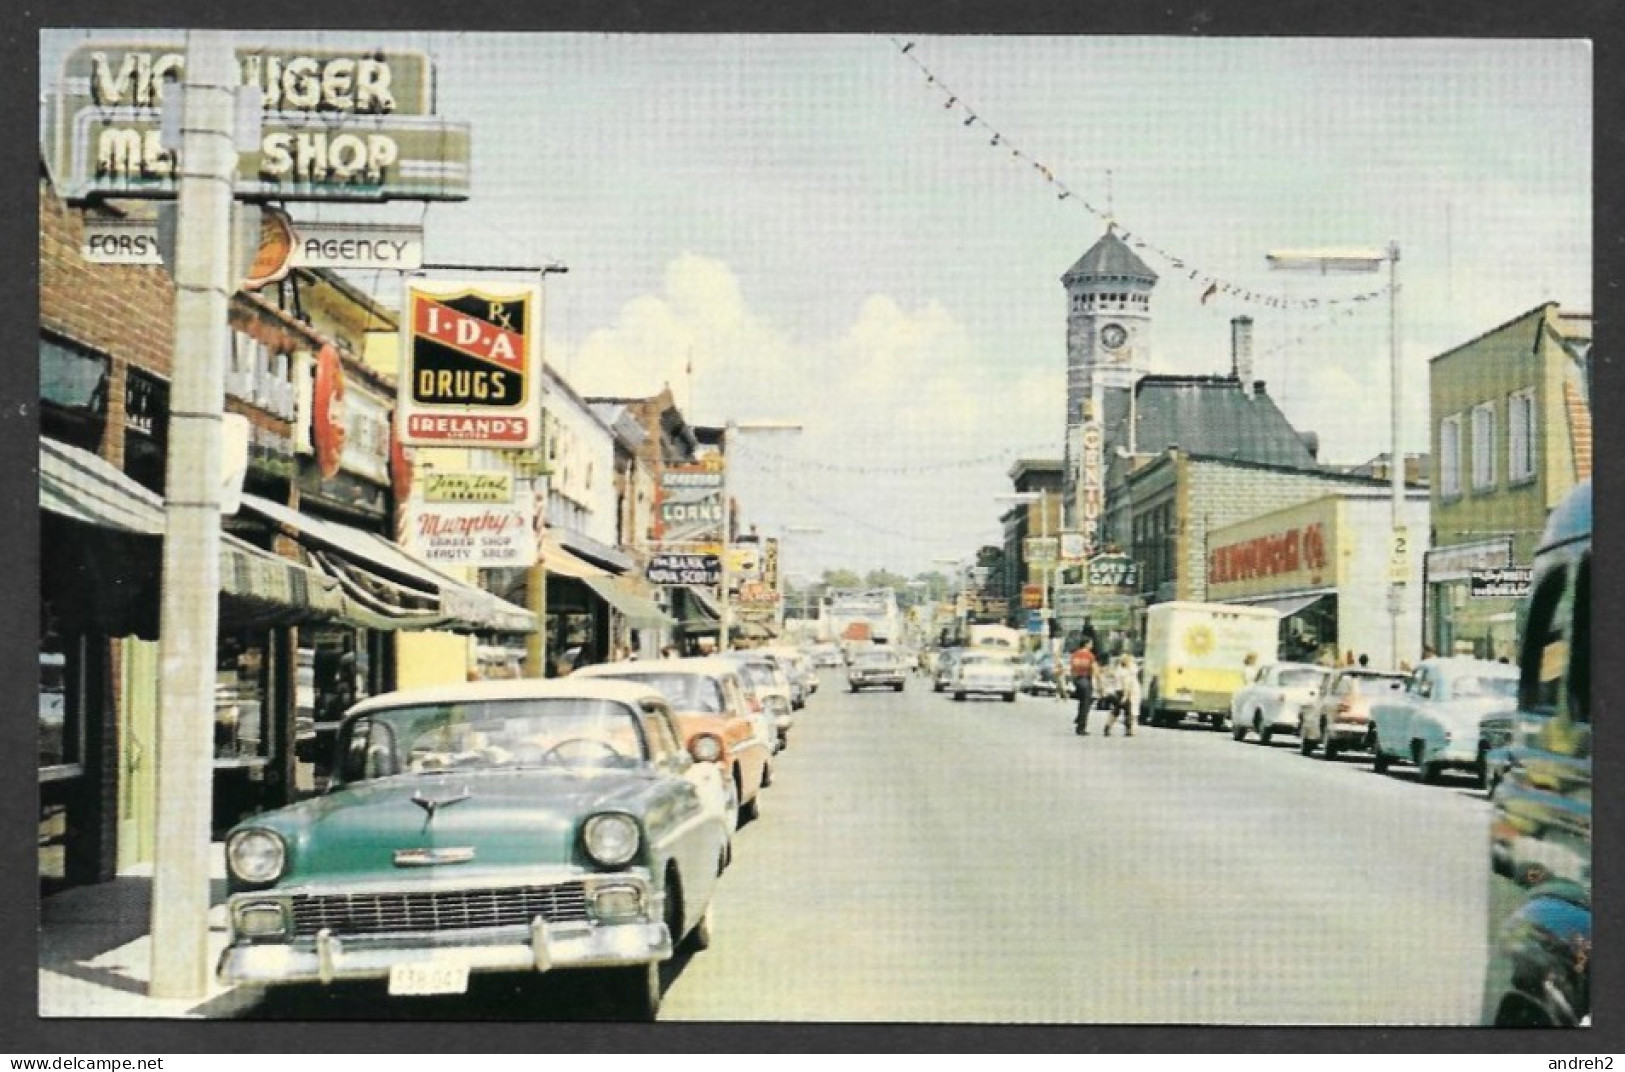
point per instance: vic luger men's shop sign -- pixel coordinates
(471, 365)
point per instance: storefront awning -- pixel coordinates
(386, 588)
(638, 609)
(1287, 606)
(601, 555)
(696, 610)
(78, 485)
(556, 558)
(257, 589)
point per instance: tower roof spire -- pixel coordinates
(1110, 256)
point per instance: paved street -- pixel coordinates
(924, 860)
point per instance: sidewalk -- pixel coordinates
(95, 953)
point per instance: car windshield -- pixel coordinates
(1297, 678)
(874, 658)
(756, 673)
(685, 692)
(1485, 686)
(568, 732)
(1377, 682)
(981, 660)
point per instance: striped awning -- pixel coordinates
(257, 588)
(388, 588)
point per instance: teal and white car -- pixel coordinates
(1437, 722)
(503, 826)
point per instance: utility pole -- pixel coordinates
(189, 608)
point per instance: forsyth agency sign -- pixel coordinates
(471, 365)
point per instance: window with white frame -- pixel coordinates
(1521, 437)
(1484, 446)
(1450, 456)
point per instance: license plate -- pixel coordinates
(429, 977)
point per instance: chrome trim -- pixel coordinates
(432, 857)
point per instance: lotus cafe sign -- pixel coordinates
(332, 126)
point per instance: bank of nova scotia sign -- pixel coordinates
(334, 126)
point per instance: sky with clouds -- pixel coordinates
(829, 230)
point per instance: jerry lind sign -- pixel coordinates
(470, 372)
(460, 532)
(335, 126)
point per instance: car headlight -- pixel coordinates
(256, 856)
(611, 839)
(705, 747)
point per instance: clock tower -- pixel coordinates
(1108, 348)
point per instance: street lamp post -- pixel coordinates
(1370, 260)
(725, 599)
(784, 537)
(536, 582)
(962, 599)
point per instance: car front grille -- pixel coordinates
(438, 910)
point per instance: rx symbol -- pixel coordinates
(500, 317)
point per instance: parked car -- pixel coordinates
(943, 669)
(1039, 679)
(1273, 699)
(1341, 719)
(768, 682)
(713, 717)
(983, 673)
(1540, 948)
(499, 826)
(876, 668)
(797, 667)
(1435, 721)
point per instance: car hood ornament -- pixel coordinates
(434, 804)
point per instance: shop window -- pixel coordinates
(1521, 437)
(61, 707)
(1484, 447)
(241, 711)
(1450, 457)
(73, 393)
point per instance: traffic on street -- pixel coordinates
(833, 528)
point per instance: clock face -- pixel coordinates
(1112, 336)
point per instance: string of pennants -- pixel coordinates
(1212, 285)
(854, 520)
(1003, 458)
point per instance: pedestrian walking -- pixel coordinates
(1085, 670)
(1123, 693)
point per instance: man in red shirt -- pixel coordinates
(1084, 669)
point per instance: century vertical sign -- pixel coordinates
(471, 365)
(338, 126)
(1091, 483)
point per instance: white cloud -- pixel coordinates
(907, 430)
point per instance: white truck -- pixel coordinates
(1197, 655)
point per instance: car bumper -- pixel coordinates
(1349, 734)
(539, 947)
(639, 936)
(875, 681)
(985, 688)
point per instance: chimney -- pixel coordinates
(1241, 352)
